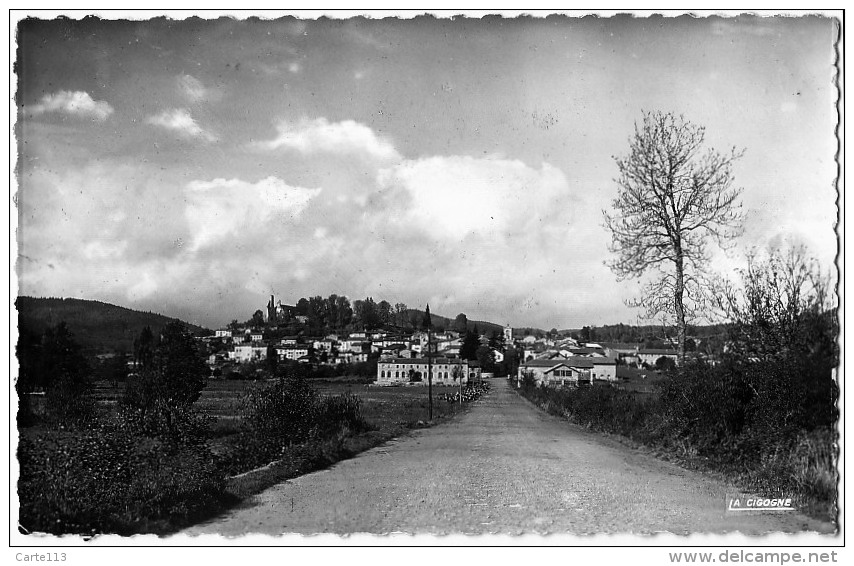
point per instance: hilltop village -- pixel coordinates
(393, 355)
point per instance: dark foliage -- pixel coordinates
(53, 364)
(97, 326)
(468, 349)
(287, 413)
(105, 480)
(158, 399)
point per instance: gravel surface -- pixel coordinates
(502, 467)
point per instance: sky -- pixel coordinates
(195, 167)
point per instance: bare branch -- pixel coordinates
(674, 196)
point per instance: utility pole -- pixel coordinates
(462, 373)
(429, 376)
(428, 323)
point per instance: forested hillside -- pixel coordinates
(97, 326)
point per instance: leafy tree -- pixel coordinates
(257, 320)
(302, 307)
(143, 348)
(468, 349)
(365, 314)
(317, 313)
(384, 312)
(460, 323)
(486, 358)
(161, 394)
(54, 363)
(117, 368)
(272, 360)
(673, 198)
(340, 311)
(399, 312)
(427, 321)
(497, 342)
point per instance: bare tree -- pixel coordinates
(784, 304)
(674, 196)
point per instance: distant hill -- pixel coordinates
(98, 327)
(446, 323)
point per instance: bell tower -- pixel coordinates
(508, 334)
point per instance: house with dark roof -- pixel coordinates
(582, 370)
(627, 351)
(557, 372)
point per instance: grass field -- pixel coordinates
(391, 410)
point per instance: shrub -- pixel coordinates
(108, 481)
(284, 411)
(287, 413)
(529, 382)
(69, 403)
(340, 412)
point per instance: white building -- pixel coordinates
(574, 370)
(508, 335)
(250, 352)
(404, 371)
(292, 352)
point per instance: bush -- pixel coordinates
(108, 481)
(529, 382)
(68, 403)
(284, 411)
(340, 413)
(287, 413)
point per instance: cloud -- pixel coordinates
(192, 88)
(77, 103)
(294, 67)
(479, 235)
(457, 195)
(222, 209)
(180, 121)
(347, 137)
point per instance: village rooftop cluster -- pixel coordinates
(402, 358)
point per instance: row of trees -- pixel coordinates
(338, 313)
(167, 379)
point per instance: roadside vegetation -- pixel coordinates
(164, 447)
(765, 416)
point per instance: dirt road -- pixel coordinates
(503, 467)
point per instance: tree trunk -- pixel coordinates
(680, 306)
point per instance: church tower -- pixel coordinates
(271, 310)
(508, 335)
